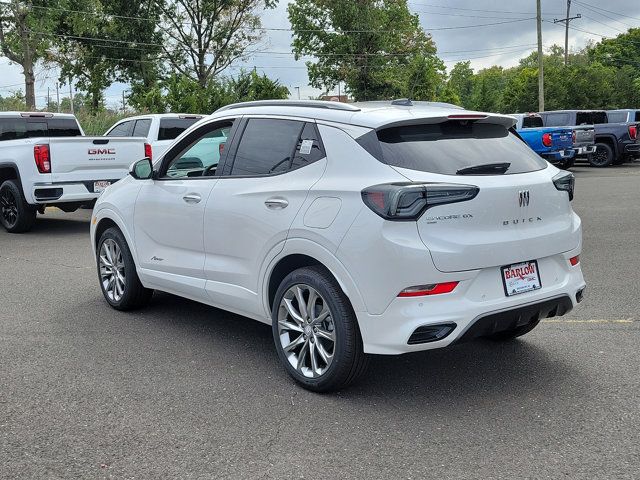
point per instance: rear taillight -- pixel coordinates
(221, 149)
(148, 152)
(407, 201)
(565, 182)
(547, 141)
(574, 260)
(42, 158)
(573, 137)
(633, 132)
(432, 289)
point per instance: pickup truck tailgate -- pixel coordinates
(93, 158)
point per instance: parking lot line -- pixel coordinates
(595, 320)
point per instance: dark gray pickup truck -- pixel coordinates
(615, 142)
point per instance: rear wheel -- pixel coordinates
(316, 331)
(119, 280)
(602, 157)
(16, 214)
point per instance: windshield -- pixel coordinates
(449, 147)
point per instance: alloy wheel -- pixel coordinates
(9, 207)
(306, 330)
(112, 273)
(600, 156)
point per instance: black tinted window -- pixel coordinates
(636, 117)
(121, 130)
(170, 128)
(448, 147)
(141, 128)
(556, 119)
(590, 118)
(309, 148)
(532, 122)
(13, 128)
(63, 127)
(266, 146)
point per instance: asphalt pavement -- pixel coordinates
(182, 390)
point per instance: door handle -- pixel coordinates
(192, 198)
(276, 203)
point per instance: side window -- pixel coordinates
(309, 148)
(13, 128)
(636, 118)
(531, 121)
(267, 146)
(141, 128)
(201, 156)
(556, 120)
(121, 130)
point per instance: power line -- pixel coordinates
(606, 16)
(473, 9)
(584, 4)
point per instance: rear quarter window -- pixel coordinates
(617, 117)
(447, 147)
(63, 127)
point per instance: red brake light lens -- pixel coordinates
(148, 152)
(42, 158)
(573, 137)
(546, 140)
(574, 260)
(221, 148)
(633, 132)
(432, 289)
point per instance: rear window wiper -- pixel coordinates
(485, 169)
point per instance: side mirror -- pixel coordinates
(142, 169)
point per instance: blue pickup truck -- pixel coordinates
(554, 144)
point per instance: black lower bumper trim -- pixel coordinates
(517, 317)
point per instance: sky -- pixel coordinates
(511, 37)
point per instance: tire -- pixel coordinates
(602, 157)
(567, 164)
(343, 360)
(16, 215)
(121, 293)
(514, 333)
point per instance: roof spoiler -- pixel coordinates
(505, 120)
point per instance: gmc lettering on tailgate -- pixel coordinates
(102, 151)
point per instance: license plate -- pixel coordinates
(521, 278)
(101, 186)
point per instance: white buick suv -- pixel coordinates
(353, 229)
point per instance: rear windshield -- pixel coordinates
(590, 118)
(17, 128)
(447, 147)
(532, 122)
(170, 128)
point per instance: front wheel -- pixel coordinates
(119, 280)
(316, 331)
(16, 215)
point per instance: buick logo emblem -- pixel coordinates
(523, 198)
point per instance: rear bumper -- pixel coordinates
(585, 150)
(632, 149)
(63, 192)
(555, 157)
(478, 299)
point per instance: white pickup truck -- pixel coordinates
(45, 159)
(159, 129)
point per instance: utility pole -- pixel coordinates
(566, 31)
(48, 98)
(540, 59)
(58, 96)
(71, 94)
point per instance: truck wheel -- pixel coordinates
(16, 215)
(602, 157)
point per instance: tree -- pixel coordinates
(488, 85)
(461, 82)
(368, 44)
(26, 29)
(203, 37)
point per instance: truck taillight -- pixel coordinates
(148, 152)
(408, 201)
(42, 158)
(573, 137)
(633, 132)
(546, 140)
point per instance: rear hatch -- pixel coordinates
(518, 213)
(584, 135)
(93, 158)
(562, 139)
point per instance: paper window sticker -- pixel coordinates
(305, 148)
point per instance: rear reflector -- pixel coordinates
(574, 260)
(42, 158)
(433, 289)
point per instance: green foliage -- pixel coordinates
(13, 102)
(98, 123)
(461, 82)
(371, 45)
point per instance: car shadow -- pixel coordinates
(52, 226)
(471, 372)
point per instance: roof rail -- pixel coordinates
(293, 103)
